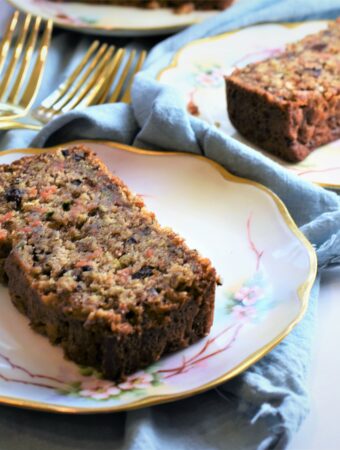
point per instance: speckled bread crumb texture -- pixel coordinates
(94, 261)
(290, 104)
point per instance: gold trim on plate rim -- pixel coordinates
(303, 290)
(175, 60)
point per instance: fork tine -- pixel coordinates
(16, 56)
(25, 63)
(71, 93)
(91, 98)
(95, 77)
(37, 73)
(127, 95)
(6, 41)
(112, 73)
(64, 87)
(122, 78)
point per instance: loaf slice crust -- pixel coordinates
(93, 269)
(290, 104)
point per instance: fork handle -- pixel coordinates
(19, 125)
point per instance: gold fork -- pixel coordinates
(100, 71)
(19, 81)
(92, 87)
(122, 87)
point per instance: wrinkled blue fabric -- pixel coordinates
(264, 406)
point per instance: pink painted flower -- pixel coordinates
(99, 395)
(139, 380)
(244, 313)
(114, 390)
(98, 389)
(249, 295)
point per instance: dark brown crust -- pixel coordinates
(115, 355)
(289, 122)
(286, 129)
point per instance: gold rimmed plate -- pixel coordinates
(111, 20)
(266, 264)
(198, 70)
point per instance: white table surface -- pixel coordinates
(321, 430)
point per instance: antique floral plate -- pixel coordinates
(198, 69)
(267, 268)
(111, 20)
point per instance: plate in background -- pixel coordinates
(198, 70)
(111, 20)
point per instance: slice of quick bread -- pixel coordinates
(290, 104)
(92, 268)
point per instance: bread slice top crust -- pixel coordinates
(307, 69)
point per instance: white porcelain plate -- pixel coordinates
(198, 70)
(111, 20)
(266, 265)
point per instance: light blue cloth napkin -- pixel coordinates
(263, 407)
